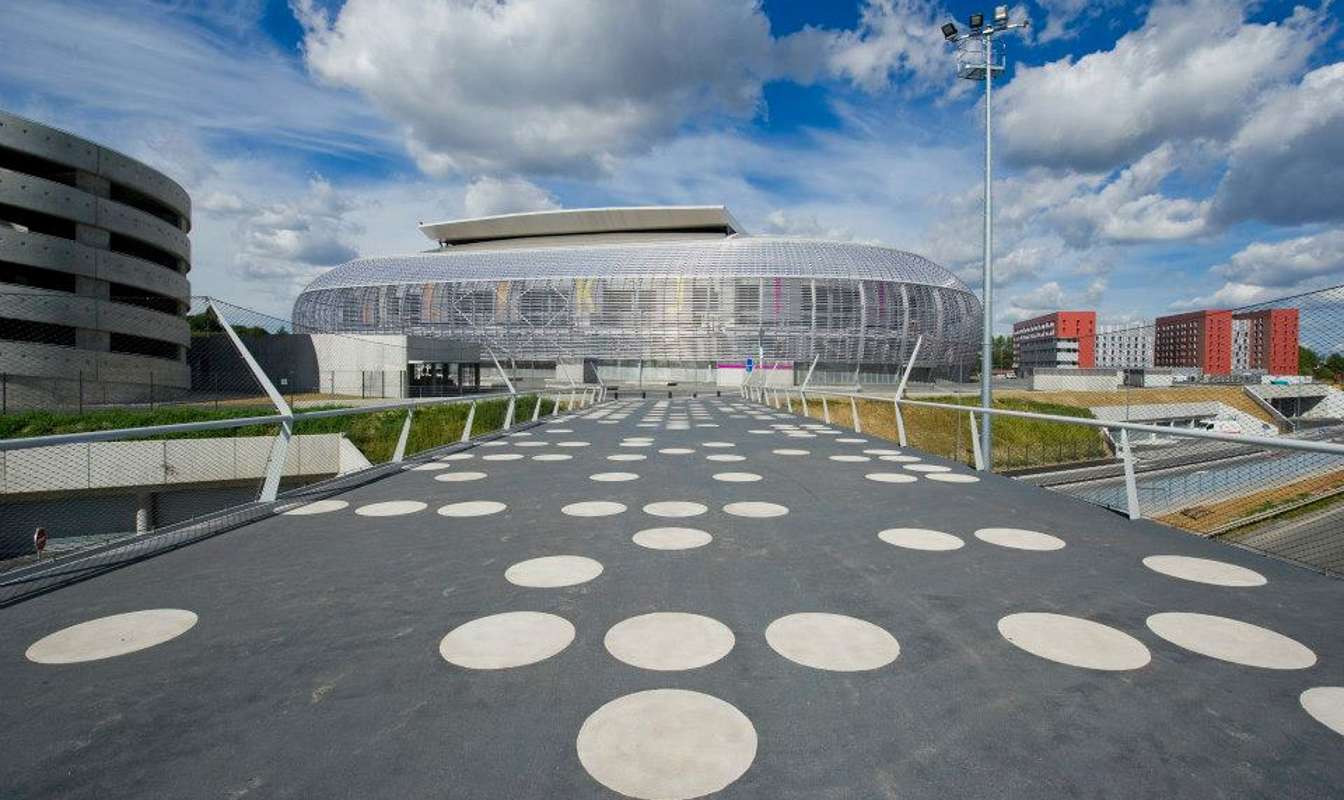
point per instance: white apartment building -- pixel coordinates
(1124, 346)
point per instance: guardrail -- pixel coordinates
(1207, 481)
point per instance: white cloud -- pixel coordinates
(1063, 16)
(1230, 295)
(794, 222)
(489, 196)
(1287, 263)
(1192, 71)
(1287, 162)
(896, 40)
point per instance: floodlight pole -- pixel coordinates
(984, 34)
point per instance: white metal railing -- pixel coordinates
(1118, 431)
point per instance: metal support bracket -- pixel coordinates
(825, 410)
(1131, 485)
(900, 421)
(400, 452)
(854, 410)
(471, 417)
(508, 412)
(975, 443)
(536, 409)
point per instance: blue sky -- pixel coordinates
(1150, 157)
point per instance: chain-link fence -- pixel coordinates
(237, 412)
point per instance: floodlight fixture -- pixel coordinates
(977, 21)
(1001, 17)
(949, 31)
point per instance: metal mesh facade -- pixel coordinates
(691, 300)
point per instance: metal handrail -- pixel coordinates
(237, 422)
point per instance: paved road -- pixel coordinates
(340, 655)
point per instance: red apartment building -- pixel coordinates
(1061, 339)
(1195, 339)
(1267, 340)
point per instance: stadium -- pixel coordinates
(657, 294)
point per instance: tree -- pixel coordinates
(1003, 352)
(1335, 364)
(1307, 361)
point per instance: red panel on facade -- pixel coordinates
(1197, 339)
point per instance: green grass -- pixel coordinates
(374, 433)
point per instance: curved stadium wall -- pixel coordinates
(692, 303)
(94, 256)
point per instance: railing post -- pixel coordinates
(825, 410)
(1131, 485)
(536, 409)
(900, 421)
(975, 443)
(471, 417)
(854, 409)
(508, 413)
(788, 402)
(570, 405)
(555, 407)
(400, 452)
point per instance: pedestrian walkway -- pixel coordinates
(673, 598)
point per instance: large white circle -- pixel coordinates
(757, 509)
(666, 744)
(722, 457)
(890, 477)
(676, 451)
(552, 457)
(718, 444)
(900, 459)
(878, 451)
(669, 640)
(850, 459)
(316, 507)
(1231, 640)
(1204, 570)
(675, 508)
(559, 430)
(737, 477)
(1074, 641)
(952, 477)
(627, 457)
(636, 444)
(848, 440)
(115, 635)
(593, 508)
(502, 457)
(453, 477)
(613, 477)
(572, 444)
(430, 466)
(921, 539)
(1019, 539)
(391, 508)
(472, 508)
(832, 642)
(672, 538)
(787, 451)
(927, 468)
(549, 572)
(458, 456)
(511, 639)
(1325, 704)
(536, 443)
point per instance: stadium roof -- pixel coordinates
(581, 221)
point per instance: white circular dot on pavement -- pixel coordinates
(737, 477)
(1019, 539)
(627, 457)
(669, 640)
(511, 639)
(718, 444)
(572, 444)
(832, 642)
(1325, 704)
(430, 466)
(927, 468)
(472, 508)
(550, 572)
(760, 431)
(1204, 570)
(613, 477)
(900, 459)
(675, 508)
(721, 457)
(593, 508)
(676, 451)
(495, 443)
(1074, 641)
(890, 477)
(552, 457)
(521, 433)
(850, 459)
(115, 635)
(638, 439)
(531, 443)
(849, 440)
(502, 457)
(391, 508)
(788, 451)
(559, 430)
(801, 435)
(921, 539)
(458, 456)
(879, 451)
(755, 508)
(636, 444)
(315, 507)
(453, 477)
(952, 477)
(666, 744)
(1231, 640)
(672, 538)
